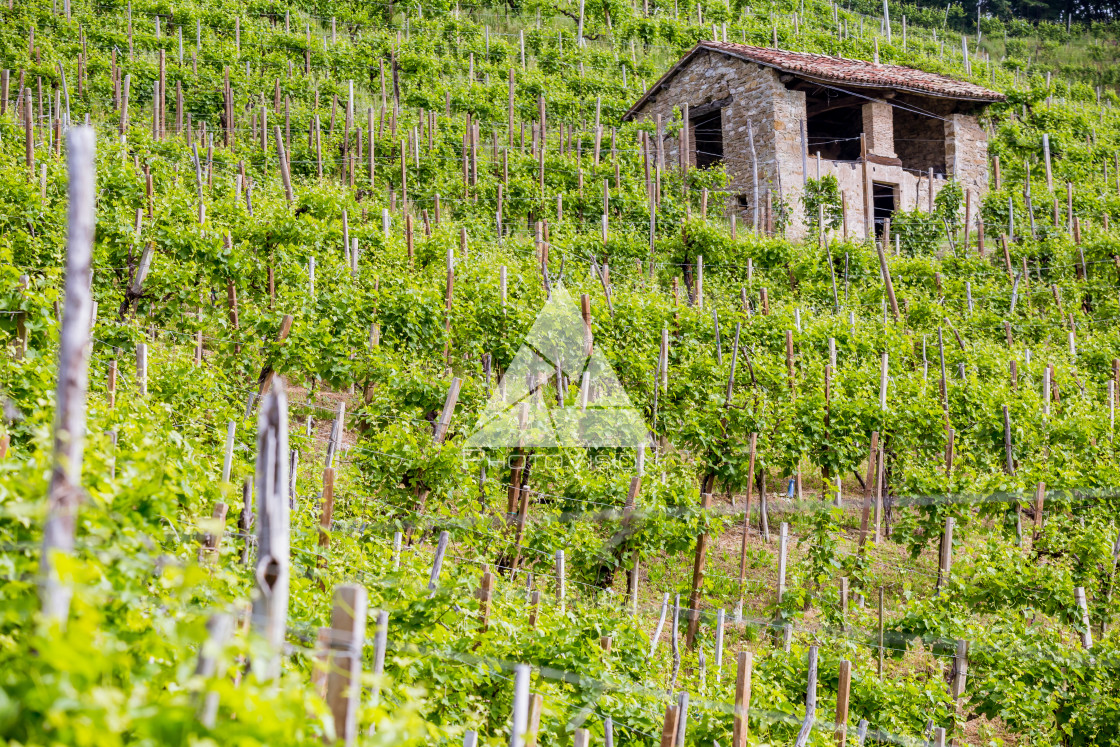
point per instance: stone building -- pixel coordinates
(890, 134)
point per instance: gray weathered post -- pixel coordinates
(270, 602)
(810, 701)
(73, 374)
(344, 673)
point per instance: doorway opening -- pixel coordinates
(708, 129)
(883, 199)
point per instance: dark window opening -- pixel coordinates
(834, 133)
(883, 196)
(708, 129)
(919, 141)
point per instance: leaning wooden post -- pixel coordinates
(270, 599)
(810, 701)
(267, 373)
(698, 575)
(887, 280)
(437, 563)
(284, 173)
(73, 375)
(348, 630)
(744, 662)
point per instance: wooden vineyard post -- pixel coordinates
(438, 435)
(267, 373)
(29, 134)
(783, 550)
(743, 662)
(627, 518)
(449, 403)
(211, 541)
(485, 592)
(746, 511)
(880, 632)
(789, 361)
(945, 560)
(1083, 608)
(669, 728)
(698, 575)
(810, 701)
(886, 271)
(270, 600)
(560, 581)
(347, 636)
(1039, 504)
(960, 670)
(73, 375)
(326, 516)
(285, 174)
(111, 385)
(437, 562)
(869, 491)
(842, 694)
(520, 706)
(219, 628)
(246, 521)
(534, 608)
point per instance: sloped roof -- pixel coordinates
(837, 70)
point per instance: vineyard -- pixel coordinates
(369, 378)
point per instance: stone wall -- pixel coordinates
(878, 126)
(966, 152)
(758, 97)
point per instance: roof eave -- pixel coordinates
(671, 72)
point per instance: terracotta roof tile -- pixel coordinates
(840, 71)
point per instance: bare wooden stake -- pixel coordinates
(810, 701)
(1083, 607)
(843, 690)
(344, 689)
(669, 728)
(325, 516)
(270, 603)
(697, 577)
(212, 541)
(285, 174)
(485, 592)
(219, 628)
(73, 375)
(960, 670)
(744, 663)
